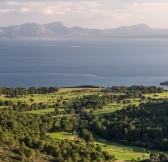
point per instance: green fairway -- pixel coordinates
(114, 106)
(121, 152)
(62, 136)
(42, 111)
(109, 109)
(4, 107)
(158, 95)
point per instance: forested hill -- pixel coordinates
(145, 126)
(51, 124)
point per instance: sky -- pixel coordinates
(85, 13)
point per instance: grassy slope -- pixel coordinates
(113, 107)
(67, 94)
(62, 136)
(121, 152)
(42, 111)
(159, 95)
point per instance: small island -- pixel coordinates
(164, 83)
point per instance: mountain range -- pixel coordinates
(57, 30)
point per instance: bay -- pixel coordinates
(102, 62)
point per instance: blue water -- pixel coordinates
(103, 62)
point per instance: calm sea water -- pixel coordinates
(103, 62)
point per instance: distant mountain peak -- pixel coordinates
(142, 26)
(136, 26)
(28, 25)
(55, 24)
(56, 30)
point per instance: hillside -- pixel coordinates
(60, 124)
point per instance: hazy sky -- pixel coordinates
(88, 13)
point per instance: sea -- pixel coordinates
(76, 62)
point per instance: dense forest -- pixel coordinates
(15, 92)
(145, 126)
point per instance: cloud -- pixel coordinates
(52, 7)
(135, 4)
(93, 13)
(148, 7)
(121, 16)
(137, 9)
(7, 11)
(12, 3)
(92, 8)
